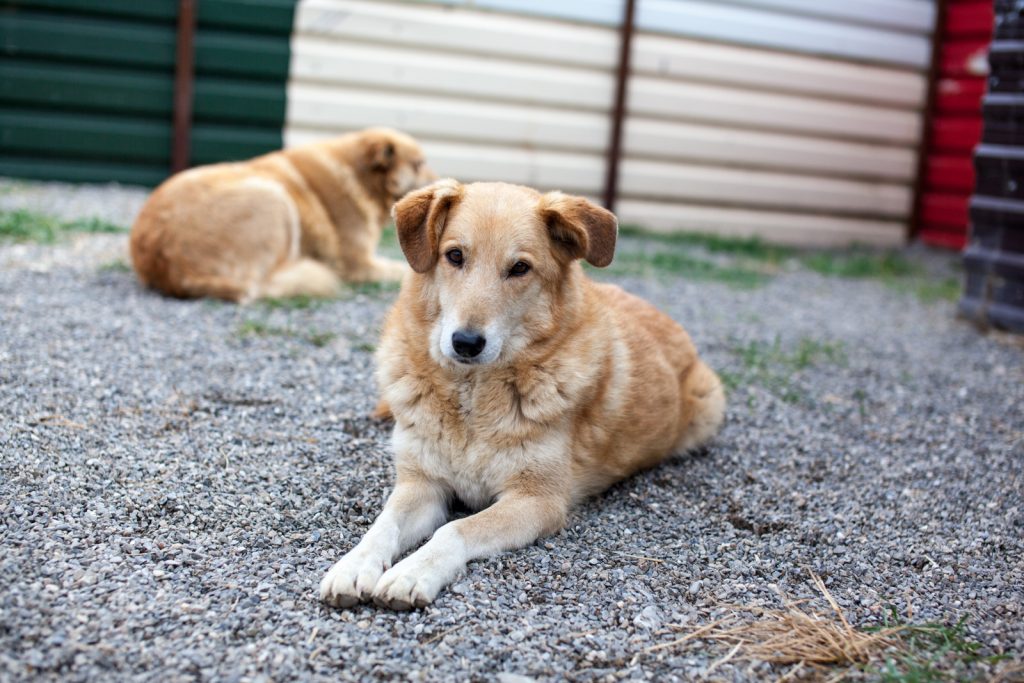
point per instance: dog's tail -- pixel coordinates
(302, 277)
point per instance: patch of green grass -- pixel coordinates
(294, 303)
(933, 652)
(366, 347)
(258, 328)
(751, 262)
(389, 239)
(93, 225)
(320, 339)
(731, 380)
(810, 352)
(948, 289)
(771, 367)
(372, 288)
(748, 247)
(29, 226)
(116, 266)
(859, 263)
(687, 266)
(888, 267)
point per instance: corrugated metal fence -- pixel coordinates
(86, 87)
(794, 119)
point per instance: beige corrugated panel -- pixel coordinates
(491, 96)
(722, 137)
(798, 229)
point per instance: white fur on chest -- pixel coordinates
(478, 457)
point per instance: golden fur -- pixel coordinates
(292, 222)
(583, 384)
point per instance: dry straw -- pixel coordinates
(817, 645)
(793, 635)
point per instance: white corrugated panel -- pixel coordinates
(669, 140)
(908, 15)
(452, 30)
(592, 11)
(761, 70)
(313, 105)
(366, 65)
(739, 187)
(577, 173)
(791, 119)
(801, 124)
(729, 23)
(803, 230)
(746, 108)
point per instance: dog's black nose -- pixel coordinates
(468, 344)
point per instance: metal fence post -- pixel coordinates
(184, 78)
(611, 183)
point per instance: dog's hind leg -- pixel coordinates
(216, 287)
(703, 407)
(301, 277)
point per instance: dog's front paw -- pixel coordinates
(416, 580)
(403, 590)
(352, 579)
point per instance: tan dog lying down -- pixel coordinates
(286, 223)
(517, 384)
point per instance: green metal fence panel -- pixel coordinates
(80, 39)
(224, 100)
(86, 86)
(233, 54)
(161, 10)
(80, 88)
(212, 143)
(267, 16)
(76, 171)
(78, 136)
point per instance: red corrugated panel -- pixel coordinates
(959, 95)
(956, 127)
(962, 58)
(974, 19)
(941, 210)
(948, 239)
(952, 173)
(959, 134)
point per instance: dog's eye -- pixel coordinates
(454, 256)
(519, 269)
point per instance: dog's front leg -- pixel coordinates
(517, 519)
(414, 509)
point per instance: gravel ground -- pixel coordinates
(175, 478)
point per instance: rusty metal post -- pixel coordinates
(927, 118)
(184, 79)
(611, 183)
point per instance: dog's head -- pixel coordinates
(395, 162)
(498, 264)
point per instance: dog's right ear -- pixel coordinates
(419, 221)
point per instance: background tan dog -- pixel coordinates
(517, 384)
(286, 223)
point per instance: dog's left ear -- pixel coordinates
(579, 227)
